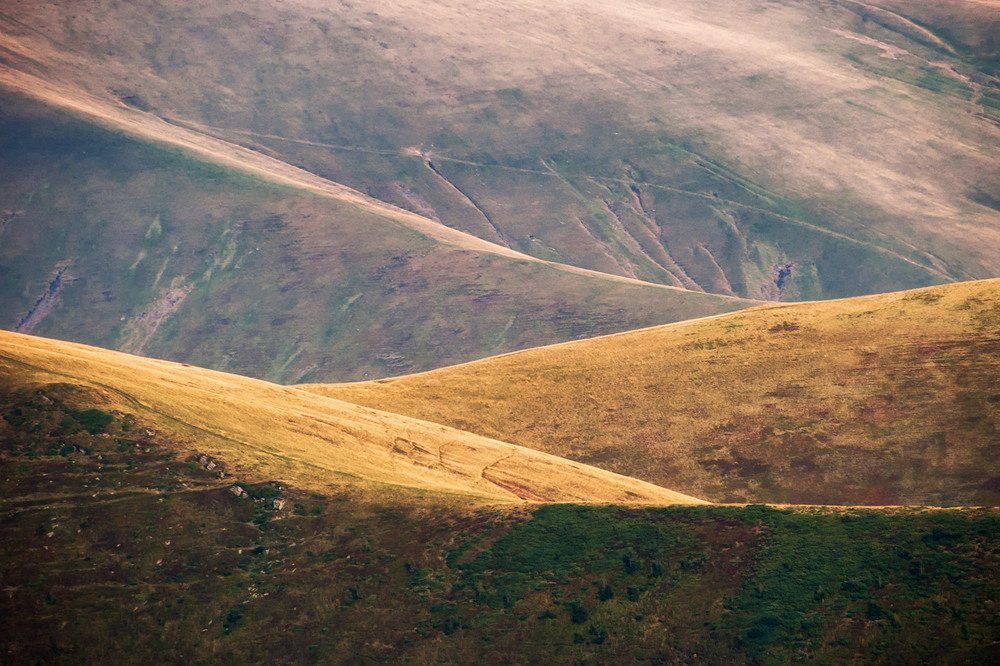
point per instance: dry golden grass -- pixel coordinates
(889, 399)
(274, 432)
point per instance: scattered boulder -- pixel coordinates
(209, 464)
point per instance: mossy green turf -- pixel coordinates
(116, 551)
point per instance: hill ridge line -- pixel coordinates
(883, 400)
(149, 127)
(311, 417)
(428, 157)
(766, 305)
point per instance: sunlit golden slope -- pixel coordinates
(291, 435)
(889, 399)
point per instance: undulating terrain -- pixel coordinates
(889, 399)
(294, 435)
(522, 331)
(152, 511)
(138, 247)
(305, 191)
(798, 149)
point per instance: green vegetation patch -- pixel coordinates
(833, 584)
(563, 541)
(908, 587)
(92, 420)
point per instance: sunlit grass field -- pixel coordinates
(286, 434)
(888, 399)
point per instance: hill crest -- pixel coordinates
(875, 400)
(285, 433)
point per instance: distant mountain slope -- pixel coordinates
(310, 441)
(796, 150)
(890, 399)
(108, 240)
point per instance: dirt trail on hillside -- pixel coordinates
(671, 267)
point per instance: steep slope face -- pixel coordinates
(769, 150)
(310, 441)
(111, 241)
(887, 399)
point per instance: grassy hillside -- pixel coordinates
(305, 191)
(120, 543)
(283, 433)
(888, 399)
(793, 150)
(136, 246)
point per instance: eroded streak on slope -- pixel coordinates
(422, 205)
(140, 330)
(44, 304)
(501, 238)
(655, 229)
(630, 237)
(725, 286)
(898, 23)
(626, 267)
(517, 489)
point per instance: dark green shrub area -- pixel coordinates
(902, 587)
(113, 550)
(92, 420)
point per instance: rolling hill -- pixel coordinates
(794, 150)
(312, 193)
(547, 233)
(282, 433)
(252, 267)
(151, 511)
(888, 399)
